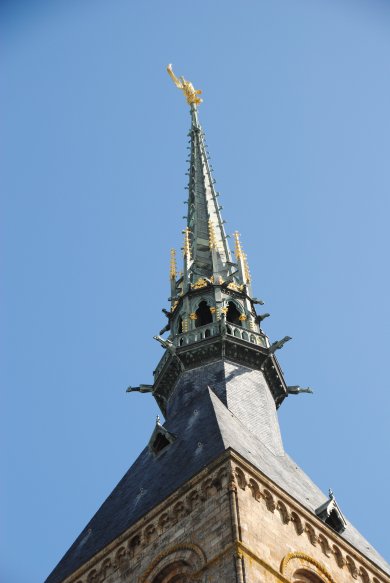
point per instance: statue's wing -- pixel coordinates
(173, 77)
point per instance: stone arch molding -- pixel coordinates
(294, 564)
(197, 301)
(185, 559)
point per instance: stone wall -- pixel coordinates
(281, 541)
(229, 524)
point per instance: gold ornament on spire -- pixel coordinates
(238, 250)
(172, 269)
(187, 249)
(246, 268)
(239, 253)
(190, 93)
(212, 236)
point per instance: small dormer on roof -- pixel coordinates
(160, 439)
(330, 513)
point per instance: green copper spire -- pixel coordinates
(208, 241)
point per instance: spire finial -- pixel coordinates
(190, 93)
(173, 269)
(212, 236)
(187, 250)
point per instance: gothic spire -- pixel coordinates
(212, 308)
(208, 241)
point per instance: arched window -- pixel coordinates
(233, 315)
(181, 564)
(173, 573)
(300, 568)
(306, 576)
(203, 315)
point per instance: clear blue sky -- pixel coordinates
(296, 114)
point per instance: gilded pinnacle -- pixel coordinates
(190, 93)
(173, 270)
(246, 268)
(239, 253)
(212, 236)
(238, 250)
(187, 249)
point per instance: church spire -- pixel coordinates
(212, 311)
(209, 244)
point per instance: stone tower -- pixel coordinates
(213, 497)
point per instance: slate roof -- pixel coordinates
(202, 418)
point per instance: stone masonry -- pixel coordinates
(229, 524)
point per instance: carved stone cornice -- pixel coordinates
(213, 349)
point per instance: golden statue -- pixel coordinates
(191, 94)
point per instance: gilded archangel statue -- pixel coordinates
(190, 93)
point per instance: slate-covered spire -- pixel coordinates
(210, 251)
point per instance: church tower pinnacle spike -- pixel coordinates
(212, 237)
(172, 267)
(173, 271)
(242, 263)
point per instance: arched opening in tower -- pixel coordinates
(233, 315)
(203, 315)
(180, 326)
